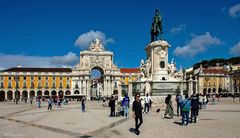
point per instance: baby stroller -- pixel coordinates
(120, 111)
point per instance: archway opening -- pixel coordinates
(60, 94)
(2, 96)
(204, 91)
(24, 95)
(67, 92)
(54, 93)
(32, 94)
(39, 93)
(17, 95)
(9, 95)
(209, 90)
(76, 92)
(96, 82)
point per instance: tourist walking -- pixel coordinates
(59, 102)
(213, 99)
(112, 106)
(137, 112)
(186, 105)
(83, 101)
(39, 102)
(147, 102)
(125, 105)
(179, 101)
(200, 100)
(169, 107)
(31, 100)
(49, 103)
(194, 108)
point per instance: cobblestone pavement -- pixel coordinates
(27, 121)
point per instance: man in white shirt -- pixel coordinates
(147, 102)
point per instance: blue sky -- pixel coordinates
(44, 33)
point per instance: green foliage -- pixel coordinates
(217, 61)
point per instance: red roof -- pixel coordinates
(129, 70)
(214, 71)
(23, 69)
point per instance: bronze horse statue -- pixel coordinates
(156, 29)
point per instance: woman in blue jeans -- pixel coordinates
(186, 105)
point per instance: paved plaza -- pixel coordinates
(25, 120)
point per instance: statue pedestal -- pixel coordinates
(157, 52)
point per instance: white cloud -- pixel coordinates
(198, 44)
(70, 59)
(235, 50)
(85, 39)
(234, 11)
(10, 60)
(178, 29)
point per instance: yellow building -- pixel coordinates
(235, 81)
(128, 74)
(213, 81)
(25, 83)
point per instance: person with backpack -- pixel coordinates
(125, 105)
(186, 105)
(169, 108)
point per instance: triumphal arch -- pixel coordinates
(96, 57)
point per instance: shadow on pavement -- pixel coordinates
(85, 136)
(178, 123)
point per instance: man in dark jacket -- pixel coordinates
(137, 112)
(194, 109)
(112, 106)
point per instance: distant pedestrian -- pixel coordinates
(233, 96)
(147, 102)
(39, 102)
(112, 106)
(169, 107)
(59, 103)
(194, 108)
(125, 105)
(200, 100)
(49, 103)
(213, 99)
(137, 112)
(31, 100)
(179, 101)
(83, 101)
(186, 105)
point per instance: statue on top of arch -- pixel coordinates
(97, 46)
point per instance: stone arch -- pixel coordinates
(46, 93)
(17, 94)
(32, 94)
(219, 90)
(53, 93)
(67, 92)
(204, 91)
(60, 94)
(209, 90)
(39, 93)
(2, 96)
(214, 90)
(76, 92)
(24, 94)
(9, 95)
